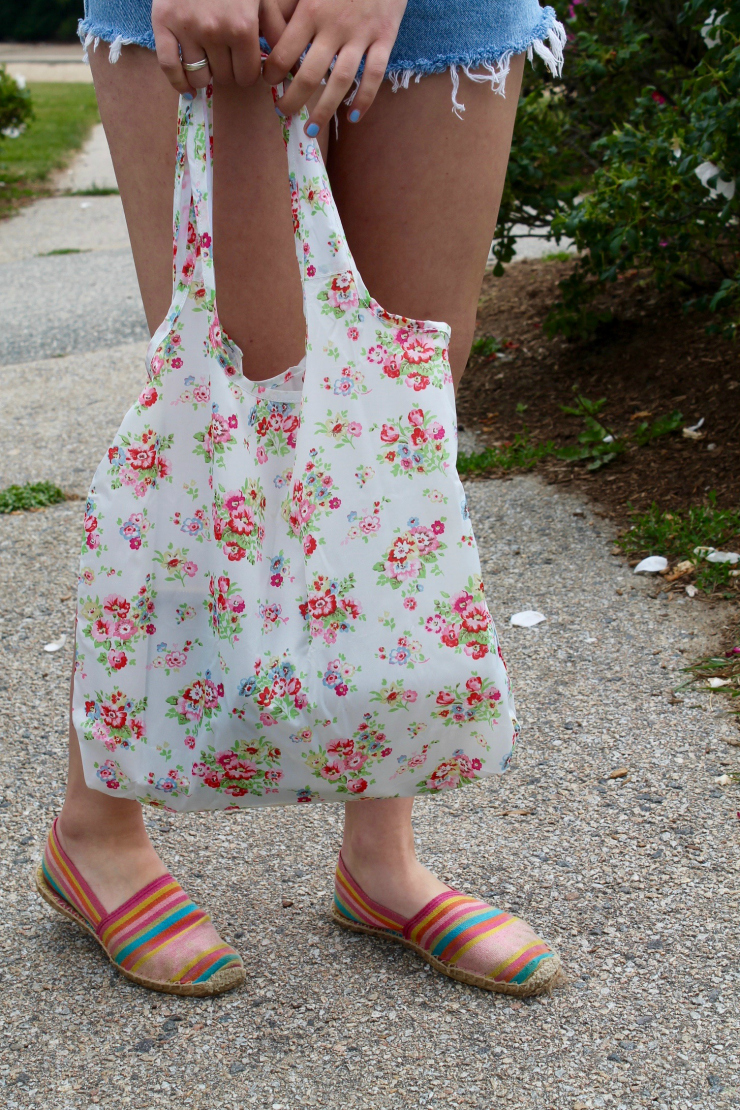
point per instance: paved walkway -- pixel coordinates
(632, 878)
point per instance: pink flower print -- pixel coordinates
(438, 527)
(341, 747)
(234, 503)
(409, 603)
(116, 605)
(416, 417)
(353, 333)
(156, 365)
(261, 455)
(474, 684)
(191, 569)
(354, 429)
(343, 292)
(267, 719)
(461, 601)
(175, 658)
(437, 430)
(148, 396)
(418, 759)
(357, 786)
(201, 393)
(356, 761)
(417, 350)
(425, 539)
(176, 363)
(220, 429)
(311, 271)
(369, 525)
(125, 630)
(334, 503)
(333, 770)
(117, 659)
(214, 334)
(205, 239)
(389, 434)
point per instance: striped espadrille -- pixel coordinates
(460, 936)
(158, 938)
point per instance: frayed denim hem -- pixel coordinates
(483, 65)
(92, 34)
(547, 41)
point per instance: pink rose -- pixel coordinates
(117, 659)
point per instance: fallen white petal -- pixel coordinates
(723, 557)
(86, 204)
(654, 564)
(715, 683)
(695, 427)
(703, 550)
(527, 618)
(56, 645)
(692, 591)
(723, 780)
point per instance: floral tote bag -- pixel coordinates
(280, 596)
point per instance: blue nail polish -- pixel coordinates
(187, 96)
(312, 130)
(354, 115)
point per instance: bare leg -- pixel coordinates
(259, 305)
(419, 191)
(259, 293)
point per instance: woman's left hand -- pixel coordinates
(341, 29)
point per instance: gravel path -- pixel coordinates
(634, 879)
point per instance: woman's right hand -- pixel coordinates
(226, 32)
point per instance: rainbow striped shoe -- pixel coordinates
(158, 938)
(463, 938)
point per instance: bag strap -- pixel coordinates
(192, 218)
(320, 242)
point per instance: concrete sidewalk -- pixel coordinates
(632, 878)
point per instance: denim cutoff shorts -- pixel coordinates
(479, 37)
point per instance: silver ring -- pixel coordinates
(191, 67)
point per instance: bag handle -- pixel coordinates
(192, 227)
(320, 242)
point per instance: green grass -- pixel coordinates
(97, 191)
(675, 535)
(33, 495)
(521, 454)
(64, 113)
(63, 250)
(719, 666)
(558, 256)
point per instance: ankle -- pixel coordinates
(77, 831)
(369, 855)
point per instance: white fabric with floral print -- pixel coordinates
(280, 594)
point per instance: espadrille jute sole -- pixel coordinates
(224, 980)
(546, 975)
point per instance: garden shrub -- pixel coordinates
(634, 155)
(15, 103)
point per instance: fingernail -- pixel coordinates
(187, 96)
(354, 115)
(312, 130)
(281, 114)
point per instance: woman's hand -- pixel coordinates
(347, 30)
(226, 32)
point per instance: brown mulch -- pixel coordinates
(652, 360)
